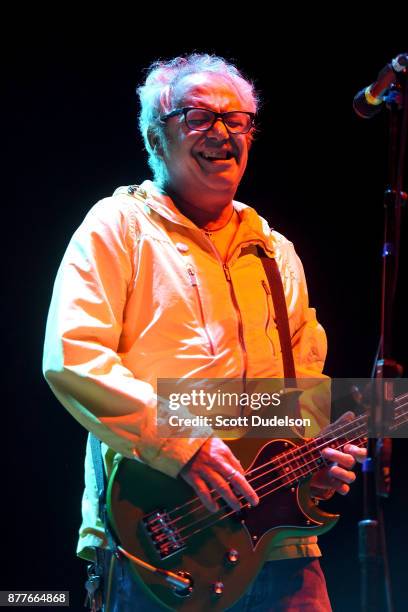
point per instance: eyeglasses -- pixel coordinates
(203, 119)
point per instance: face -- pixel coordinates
(205, 168)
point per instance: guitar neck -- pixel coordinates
(307, 458)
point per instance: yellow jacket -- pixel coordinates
(141, 294)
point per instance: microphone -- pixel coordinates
(367, 103)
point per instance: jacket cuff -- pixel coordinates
(175, 453)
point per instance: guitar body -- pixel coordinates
(143, 509)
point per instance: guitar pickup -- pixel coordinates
(162, 534)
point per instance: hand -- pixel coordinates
(215, 467)
(339, 476)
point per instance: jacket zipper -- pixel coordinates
(268, 298)
(240, 325)
(193, 282)
(236, 308)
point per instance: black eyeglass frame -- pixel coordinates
(185, 109)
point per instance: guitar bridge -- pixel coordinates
(163, 536)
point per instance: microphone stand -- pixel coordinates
(376, 468)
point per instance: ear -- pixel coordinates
(154, 142)
(250, 139)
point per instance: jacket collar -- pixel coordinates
(253, 229)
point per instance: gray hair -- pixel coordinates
(158, 96)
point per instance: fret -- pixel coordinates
(298, 468)
(315, 460)
(284, 468)
(301, 463)
(297, 463)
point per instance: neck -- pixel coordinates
(212, 217)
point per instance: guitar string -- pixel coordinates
(284, 484)
(231, 512)
(275, 465)
(220, 518)
(286, 453)
(312, 448)
(297, 450)
(292, 452)
(186, 537)
(162, 539)
(297, 476)
(405, 420)
(267, 493)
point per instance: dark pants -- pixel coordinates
(292, 585)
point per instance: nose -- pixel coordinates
(218, 130)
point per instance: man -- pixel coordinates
(164, 281)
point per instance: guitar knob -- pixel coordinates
(232, 556)
(218, 588)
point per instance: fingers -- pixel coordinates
(236, 464)
(203, 492)
(330, 477)
(211, 485)
(347, 416)
(343, 489)
(242, 486)
(215, 472)
(334, 478)
(348, 457)
(339, 474)
(358, 453)
(344, 459)
(228, 481)
(224, 490)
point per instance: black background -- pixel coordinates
(316, 172)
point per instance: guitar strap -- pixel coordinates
(281, 312)
(94, 584)
(101, 485)
(100, 475)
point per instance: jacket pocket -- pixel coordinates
(193, 282)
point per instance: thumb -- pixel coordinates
(346, 417)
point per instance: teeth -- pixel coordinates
(220, 155)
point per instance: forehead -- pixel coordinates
(212, 90)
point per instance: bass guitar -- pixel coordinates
(211, 558)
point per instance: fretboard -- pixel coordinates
(298, 463)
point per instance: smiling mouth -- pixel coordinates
(216, 156)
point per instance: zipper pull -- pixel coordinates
(192, 276)
(227, 273)
(266, 287)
